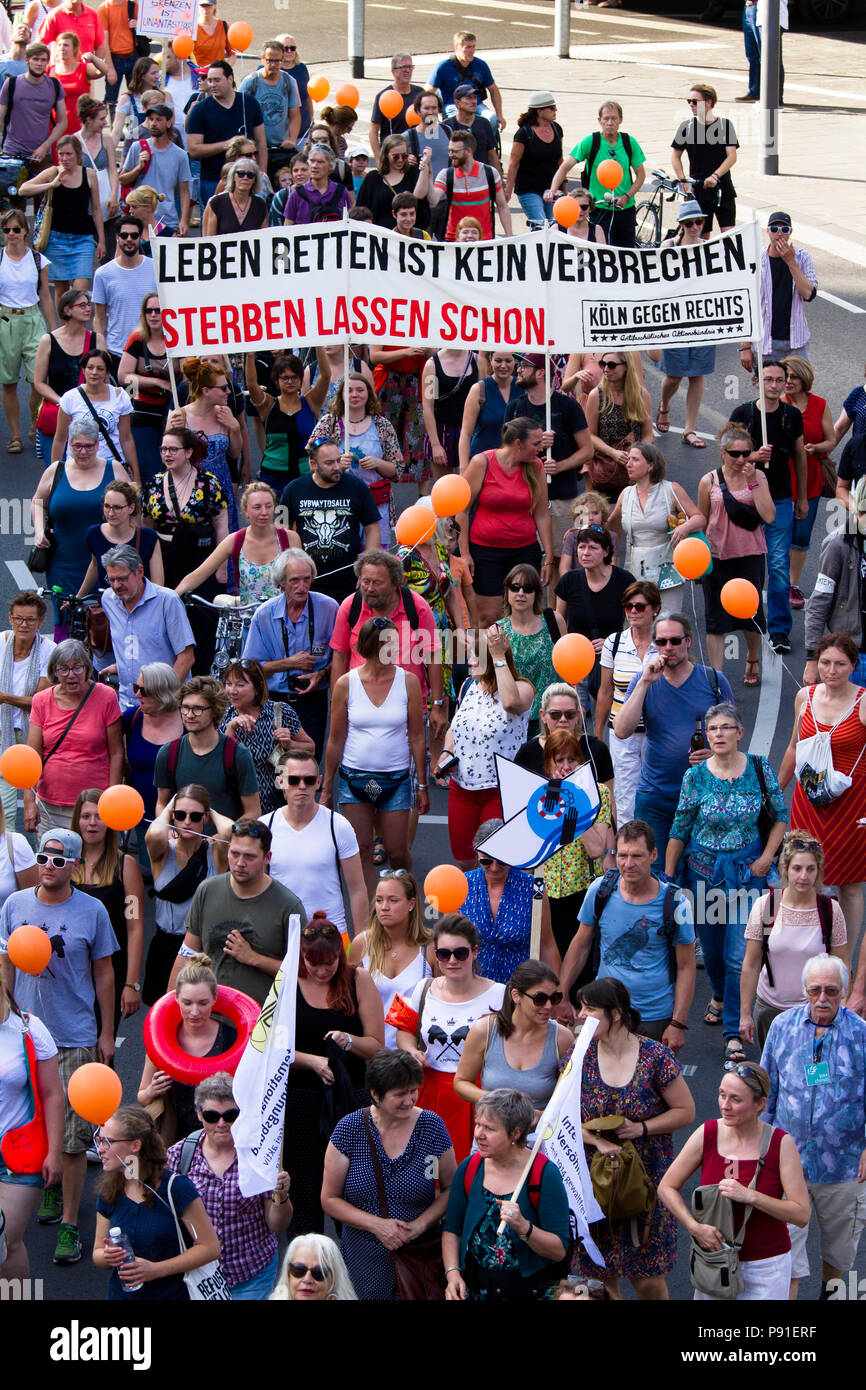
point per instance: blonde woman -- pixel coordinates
(396, 947)
(252, 549)
(143, 202)
(313, 1271)
(241, 208)
(619, 414)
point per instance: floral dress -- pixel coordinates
(533, 657)
(255, 582)
(434, 589)
(641, 1099)
(217, 463)
(190, 540)
(261, 744)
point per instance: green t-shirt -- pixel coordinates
(597, 191)
(264, 922)
(208, 770)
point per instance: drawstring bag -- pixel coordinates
(821, 782)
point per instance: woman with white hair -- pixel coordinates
(241, 208)
(314, 1271)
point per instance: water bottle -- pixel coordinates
(118, 1237)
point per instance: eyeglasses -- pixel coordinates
(779, 227)
(170, 450)
(84, 443)
(669, 641)
(103, 1141)
(325, 929)
(253, 830)
(56, 861)
(16, 618)
(691, 221)
(541, 1000)
(736, 453)
(635, 607)
(194, 817)
(297, 1270)
(557, 714)
(195, 709)
(115, 506)
(610, 366)
(459, 953)
(815, 991)
(393, 873)
(213, 1117)
(301, 779)
(72, 668)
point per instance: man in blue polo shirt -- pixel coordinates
(463, 66)
(147, 622)
(672, 694)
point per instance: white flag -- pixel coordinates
(262, 1078)
(562, 1142)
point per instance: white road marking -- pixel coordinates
(767, 718)
(434, 820)
(447, 13)
(524, 24)
(21, 574)
(842, 303)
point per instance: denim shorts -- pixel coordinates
(71, 256)
(19, 1179)
(388, 791)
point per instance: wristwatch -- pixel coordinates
(500, 663)
(437, 702)
(130, 985)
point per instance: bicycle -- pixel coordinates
(233, 624)
(649, 219)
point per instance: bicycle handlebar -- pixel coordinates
(220, 607)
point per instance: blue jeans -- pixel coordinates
(721, 913)
(259, 1286)
(778, 534)
(658, 812)
(803, 526)
(207, 189)
(534, 208)
(752, 42)
(123, 65)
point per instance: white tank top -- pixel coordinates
(378, 737)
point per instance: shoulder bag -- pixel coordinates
(717, 1273)
(25, 1148)
(747, 518)
(207, 1284)
(605, 472)
(42, 225)
(418, 1265)
(40, 556)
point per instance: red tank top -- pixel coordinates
(503, 516)
(765, 1235)
(812, 434)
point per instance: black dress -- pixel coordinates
(113, 899)
(377, 194)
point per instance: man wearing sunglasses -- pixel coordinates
(672, 695)
(242, 919)
(63, 996)
(789, 281)
(120, 286)
(815, 1055)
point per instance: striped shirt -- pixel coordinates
(471, 197)
(799, 333)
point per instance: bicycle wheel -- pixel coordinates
(647, 231)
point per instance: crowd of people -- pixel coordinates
(288, 783)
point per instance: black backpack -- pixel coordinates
(408, 604)
(594, 147)
(606, 889)
(230, 749)
(10, 97)
(329, 211)
(768, 917)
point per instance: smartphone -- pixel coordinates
(448, 766)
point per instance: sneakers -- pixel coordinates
(795, 597)
(780, 643)
(51, 1207)
(68, 1248)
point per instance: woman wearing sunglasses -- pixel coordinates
(447, 1007)
(183, 852)
(619, 414)
(641, 1080)
(247, 1227)
(314, 1271)
(521, 1046)
(339, 1026)
(171, 1103)
(532, 630)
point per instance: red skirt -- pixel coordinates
(437, 1094)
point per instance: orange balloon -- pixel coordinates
(566, 211)
(740, 598)
(415, 525)
(240, 35)
(348, 95)
(450, 495)
(29, 949)
(94, 1092)
(609, 174)
(446, 888)
(573, 657)
(121, 807)
(412, 117)
(390, 104)
(319, 88)
(21, 766)
(692, 558)
(183, 45)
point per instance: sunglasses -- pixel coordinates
(129, 236)
(522, 589)
(485, 861)
(298, 1270)
(459, 953)
(138, 689)
(56, 861)
(691, 101)
(213, 1117)
(253, 831)
(691, 221)
(194, 817)
(610, 366)
(779, 227)
(393, 873)
(13, 229)
(746, 1072)
(541, 1000)
(669, 641)
(301, 779)
(635, 607)
(325, 929)
(244, 174)
(557, 714)
(737, 453)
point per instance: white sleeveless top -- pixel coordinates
(648, 541)
(378, 737)
(402, 984)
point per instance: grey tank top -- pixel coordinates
(170, 917)
(538, 1082)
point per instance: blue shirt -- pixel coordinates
(446, 77)
(151, 1229)
(273, 636)
(670, 713)
(276, 99)
(634, 949)
(157, 629)
(827, 1122)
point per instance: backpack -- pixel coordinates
(329, 211)
(187, 1150)
(620, 1182)
(491, 189)
(594, 147)
(768, 918)
(606, 889)
(470, 77)
(560, 1268)
(230, 749)
(408, 604)
(10, 97)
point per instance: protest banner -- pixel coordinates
(545, 291)
(262, 1077)
(163, 19)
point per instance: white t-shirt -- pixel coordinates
(305, 860)
(19, 284)
(109, 412)
(19, 672)
(15, 1106)
(24, 859)
(445, 1027)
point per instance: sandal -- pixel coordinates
(755, 678)
(663, 428)
(14, 446)
(694, 440)
(378, 852)
(713, 1013)
(734, 1049)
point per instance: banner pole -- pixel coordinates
(535, 928)
(539, 1139)
(171, 378)
(760, 326)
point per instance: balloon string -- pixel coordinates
(765, 641)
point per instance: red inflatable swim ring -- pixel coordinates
(160, 1036)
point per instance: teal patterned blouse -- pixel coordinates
(723, 815)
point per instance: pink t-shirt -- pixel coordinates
(83, 759)
(796, 937)
(416, 648)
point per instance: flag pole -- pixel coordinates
(537, 906)
(760, 360)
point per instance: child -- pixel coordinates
(589, 509)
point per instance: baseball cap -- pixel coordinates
(534, 359)
(357, 152)
(540, 99)
(690, 208)
(779, 217)
(69, 839)
(159, 109)
(465, 90)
